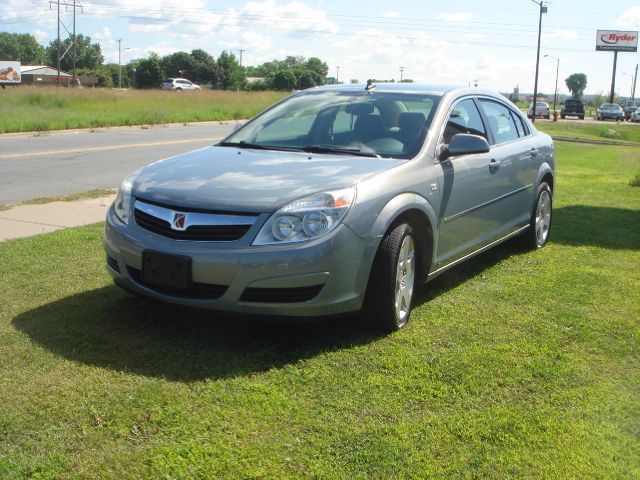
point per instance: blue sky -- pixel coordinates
(451, 42)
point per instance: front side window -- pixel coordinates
(385, 124)
(500, 121)
(464, 118)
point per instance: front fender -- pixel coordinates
(402, 204)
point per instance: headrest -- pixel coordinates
(359, 108)
(411, 120)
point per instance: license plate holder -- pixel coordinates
(166, 270)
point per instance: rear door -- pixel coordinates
(514, 153)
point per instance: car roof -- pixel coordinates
(419, 88)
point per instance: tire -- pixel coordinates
(387, 302)
(548, 117)
(581, 117)
(537, 235)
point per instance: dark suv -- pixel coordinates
(572, 107)
(629, 107)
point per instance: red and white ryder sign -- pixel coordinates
(616, 41)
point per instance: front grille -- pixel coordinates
(280, 295)
(207, 233)
(113, 263)
(207, 291)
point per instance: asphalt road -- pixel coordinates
(60, 163)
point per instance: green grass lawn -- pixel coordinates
(40, 109)
(604, 131)
(515, 365)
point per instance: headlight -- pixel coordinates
(122, 204)
(307, 218)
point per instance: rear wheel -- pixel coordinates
(537, 235)
(387, 304)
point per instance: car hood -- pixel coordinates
(244, 180)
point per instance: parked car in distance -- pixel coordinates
(610, 111)
(629, 107)
(335, 200)
(635, 115)
(572, 107)
(179, 84)
(542, 110)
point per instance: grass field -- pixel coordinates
(605, 131)
(39, 109)
(515, 365)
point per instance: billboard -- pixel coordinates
(616, 41)
(9, 72)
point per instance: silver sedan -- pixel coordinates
(336, 200)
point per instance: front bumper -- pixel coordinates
(316, 278)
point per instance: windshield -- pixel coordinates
(345, 122)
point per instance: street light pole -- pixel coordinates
(543, 9)
(633, 83)
(555, 95)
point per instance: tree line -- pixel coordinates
(199, 66)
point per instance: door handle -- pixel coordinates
(533, 152)
(494, 165)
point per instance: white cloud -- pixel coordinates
(292, 16)
(254, 42)
(423, 39)
(630, 18)
(562, 34)
(391, 14)
(41, 36)
(474, 36)
(103, 35)
(455, 17)
(149, 27)
(13, 12)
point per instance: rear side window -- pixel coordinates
(501, 122)
(464, 118)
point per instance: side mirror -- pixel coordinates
(464, 144)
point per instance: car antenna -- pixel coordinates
(370, 86)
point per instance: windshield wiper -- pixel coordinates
(258, 146)
(243, 144)
(348, 151)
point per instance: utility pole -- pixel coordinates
(119, 62)
(73, 53)
(555, 94)
(635, 79)
(543, 9)
(337, 71)
(240, 64)
(401, 71)
(59, 56)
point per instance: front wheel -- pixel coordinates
(387, 303)
(537, 235)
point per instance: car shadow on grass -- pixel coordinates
(110, 328)
(604, 227)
